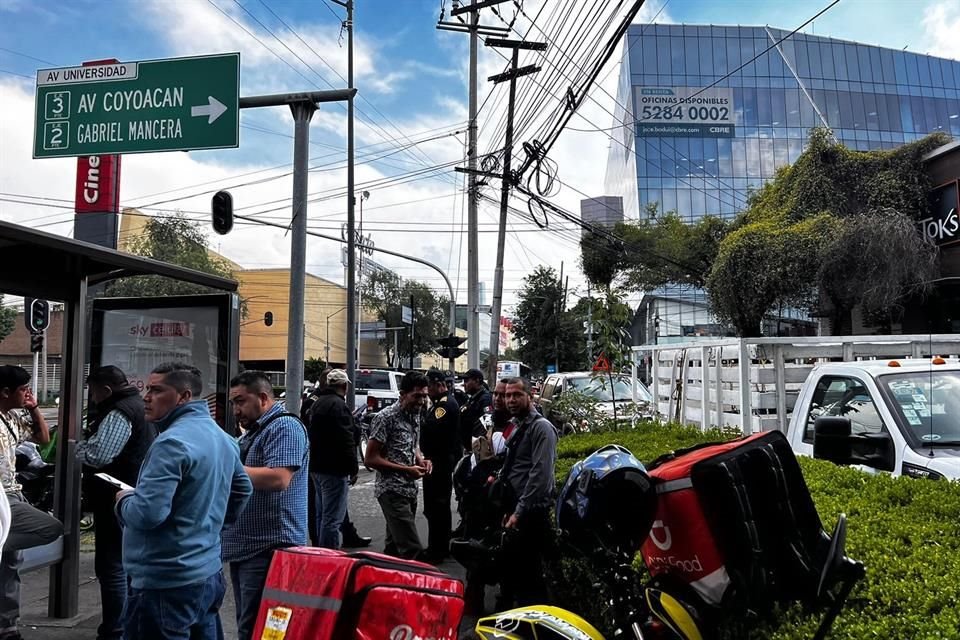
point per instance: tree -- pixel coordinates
(657, 251)
(8, 318)
(546, 331)
(384, 293)
(312, 368)
(175, 240)
(835, 230)
(764, 265)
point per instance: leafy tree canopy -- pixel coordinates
(660, 250)
(835, 230)
(384, 293)
(175, 240)
(8, 317)
(545, 330)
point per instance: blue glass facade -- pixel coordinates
(872, 98)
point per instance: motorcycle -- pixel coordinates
(36, 477)
(604, 513)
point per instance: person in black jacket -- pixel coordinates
(333, 457)
(477, 405)
(439, 443)
(117, 439)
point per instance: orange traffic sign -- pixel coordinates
(602, 364)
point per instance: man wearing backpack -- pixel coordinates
(275, 454)
(529, 471)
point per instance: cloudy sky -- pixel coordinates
(411, 113)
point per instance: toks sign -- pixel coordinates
(943, 225)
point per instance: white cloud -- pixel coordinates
(941, 23)
(431, 205)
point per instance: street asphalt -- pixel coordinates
(35, 625)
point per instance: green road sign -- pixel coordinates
(177, 104)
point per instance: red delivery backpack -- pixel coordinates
(736, 525)
(321, 594)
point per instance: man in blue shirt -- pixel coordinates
(191, 485)
(274, 452)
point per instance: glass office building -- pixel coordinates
(700, 151)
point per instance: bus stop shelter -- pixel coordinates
(46, 266)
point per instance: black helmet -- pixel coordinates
(608, 497)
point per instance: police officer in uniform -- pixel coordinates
(478, 404)
(439, 443)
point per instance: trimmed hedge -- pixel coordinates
(905, 531)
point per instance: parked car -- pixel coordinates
(898, 416)
(613, 394)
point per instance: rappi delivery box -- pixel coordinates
(320, 594)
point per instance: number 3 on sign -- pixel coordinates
(56, 135)
(57, 105)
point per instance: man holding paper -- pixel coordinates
(191, 485)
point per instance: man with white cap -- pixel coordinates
(333, 457)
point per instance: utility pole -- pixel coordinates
(351, 222)
(302, 114)
(473, 252)
(589, 324)
(302, 106)
(506, 182)
(413, 329)
(557, 308)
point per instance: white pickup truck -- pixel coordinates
(376, 389)
(898, 416)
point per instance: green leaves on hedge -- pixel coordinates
(905, 531)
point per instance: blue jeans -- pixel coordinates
(331, 496)
(190, 612)
(248, 577)
(108, 565)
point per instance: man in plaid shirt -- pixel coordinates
(275, 454)
(117, 439)
(20, 420)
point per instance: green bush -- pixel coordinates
(905, 531)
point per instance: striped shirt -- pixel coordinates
(272, 519)
(105, 445)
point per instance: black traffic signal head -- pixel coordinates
(451, 341)
(450, 353)
(222, 208)
(36, 343)
(38, 315)
(268, 318)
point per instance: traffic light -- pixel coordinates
(222, 208)
(36, 315)
(268, 318)
(450, 347)
(36, 342)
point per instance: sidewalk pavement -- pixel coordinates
(35, 625)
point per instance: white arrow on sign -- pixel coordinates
(214, 109)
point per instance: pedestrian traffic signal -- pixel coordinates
(36, 315)
(222, 208)
(36, 342)
(268, 318)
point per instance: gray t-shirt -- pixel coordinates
(399, 434)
